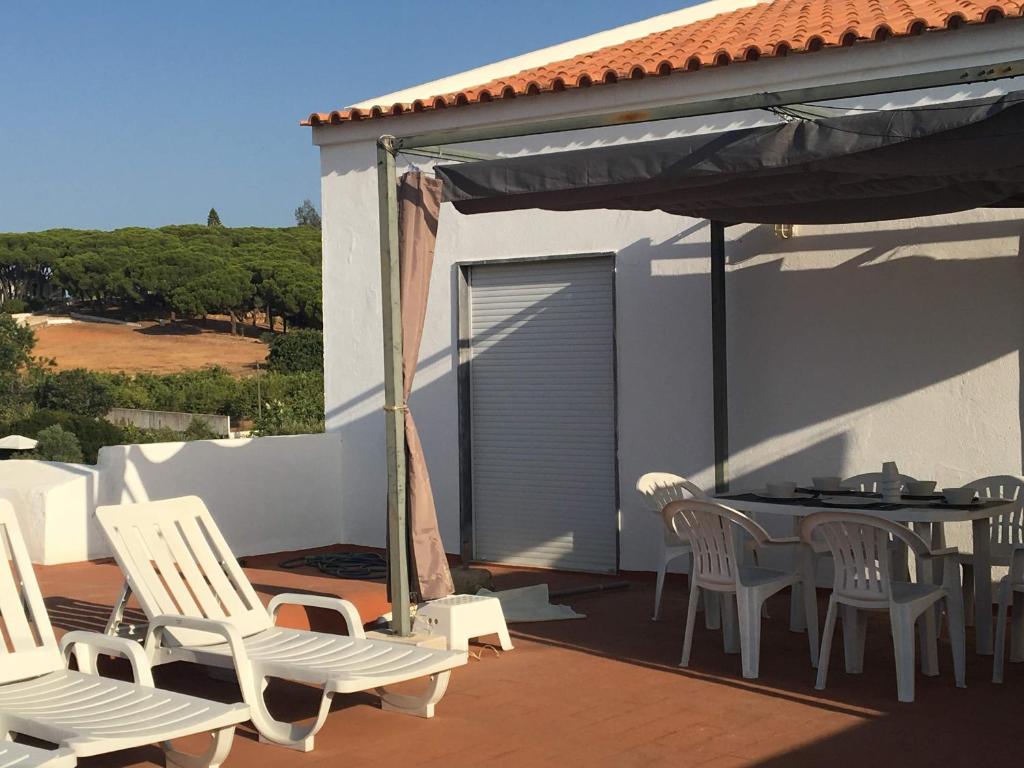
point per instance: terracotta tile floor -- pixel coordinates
(606, 691)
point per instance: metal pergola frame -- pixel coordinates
(436, 144)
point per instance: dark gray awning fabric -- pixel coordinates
(872, 166)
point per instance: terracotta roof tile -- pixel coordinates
(776, 28)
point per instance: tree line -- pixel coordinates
(175, 271)
(65, 409)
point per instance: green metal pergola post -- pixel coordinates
(394, 398)
(719, 358)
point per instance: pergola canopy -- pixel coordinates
(871, 166)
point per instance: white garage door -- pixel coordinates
(542, 418)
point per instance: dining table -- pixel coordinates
(922, 512)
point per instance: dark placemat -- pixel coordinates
(815, 501)
(878, 506)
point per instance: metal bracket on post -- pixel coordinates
(394, 399)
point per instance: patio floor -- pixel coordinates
(606, 691)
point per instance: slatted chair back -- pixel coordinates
(660, 489)
(859, 546)
(1008, 528)
(871, 482)
(28, 647)
(178, 563)
(713, 531)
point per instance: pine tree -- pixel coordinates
(306, 215)
(212, 219)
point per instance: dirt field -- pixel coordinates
(152, 348)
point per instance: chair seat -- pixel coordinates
(340, 663)
(93, 715)
(23, 756)
(755, 576)
(905, 592)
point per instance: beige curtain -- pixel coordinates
(419, 203)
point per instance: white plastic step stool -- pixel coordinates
(461, 617)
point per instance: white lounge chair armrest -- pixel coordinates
(347, 610)
(785, 541)
(213, 626)
(87, 646)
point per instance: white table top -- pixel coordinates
(913, 512)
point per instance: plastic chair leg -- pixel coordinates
(749, 615)
(999, 649)
(826, 643)
(691, 618)
(903, 646)
(659, 585)
(957, 636)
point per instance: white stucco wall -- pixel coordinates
(268, 494)
(54, 503)
(848, 345)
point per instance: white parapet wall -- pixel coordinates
(268, 494)
(54, 503)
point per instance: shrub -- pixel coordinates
(56, 444)
(76, 391)
(297, 351)
(92, 434)
(280, 418)
(14, 306)
(199, 429)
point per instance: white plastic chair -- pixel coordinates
(1007, 531)
(659, 489)
(859, 545)
(82, 713)
(871, 482)
(714, 532)
(1011, 588)
(202, 608)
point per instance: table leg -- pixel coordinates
(928, 623)
(982, 586)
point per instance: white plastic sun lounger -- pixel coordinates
(202, 608)
(81, 712)
(23, 756)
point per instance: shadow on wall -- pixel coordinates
(268, 494)
(826, 336)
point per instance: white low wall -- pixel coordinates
(267, 494)
(54, 503)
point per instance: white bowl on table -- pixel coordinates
(920, 487)
(782, 490)
(959, 495)
(830, 483)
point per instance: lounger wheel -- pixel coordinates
(421, 705)
(215, 754)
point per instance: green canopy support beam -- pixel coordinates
(719, 358)
(394, 396)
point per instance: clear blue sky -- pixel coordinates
(120, 113)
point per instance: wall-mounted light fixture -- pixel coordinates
(784, 231)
